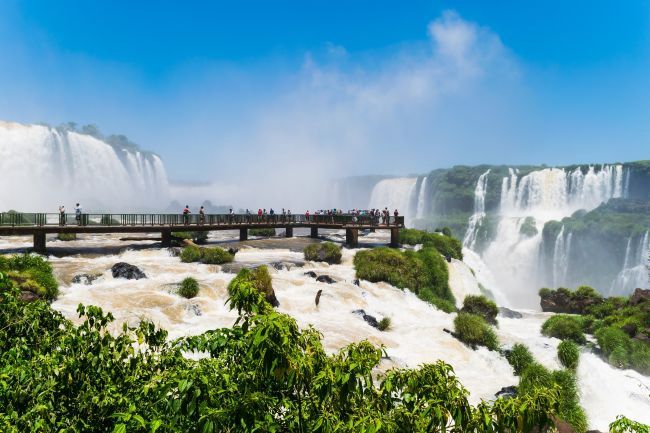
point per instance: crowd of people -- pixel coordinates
(373, 216)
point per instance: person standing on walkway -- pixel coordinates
(186, 215)
(202, 215)
(77, 214)
(62, 215)
(396, 213)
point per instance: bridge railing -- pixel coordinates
(16, 219)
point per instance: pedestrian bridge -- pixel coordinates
(39, 225)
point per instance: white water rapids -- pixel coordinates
(416, 335)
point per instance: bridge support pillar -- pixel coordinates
(352, 237)
(289, 232)
(243, 234)
(39, 243)
(166, 238)
(314, 232)
(394, 238)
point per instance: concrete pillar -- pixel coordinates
(289, 232)
(394, 238)
(39, 242)
(352, 237)
(243, 234)
(314, 232)
(166, 238)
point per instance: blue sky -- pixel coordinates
(228, 89)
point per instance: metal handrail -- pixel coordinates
(17, 219)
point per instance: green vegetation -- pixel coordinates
(327, 252)
(623, 351)
(446, 245)
(31, 273)
(475, 331)
(198, 237)
(188, 288)
(481, 306)
(621, 325)
(519, 358)
(384, 324)
(262, 232)
(569, 354)
(263, 374)
(211, 256)
(564, 327)
(65, 237)
(259, 279)
(528, 228)
(424, 272)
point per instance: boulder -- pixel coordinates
(311, 274)
(86, 279)
(27, 296)
(325, 279)
(370, 320)
(356, 282)
(507, 392)
(639, 296)
(562, 301)
(233, 251)
(509, 314)
(271, 299)
(194, 308)
(125, 270)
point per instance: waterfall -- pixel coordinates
(542, 195)
(561, 258)
(394, 193)
(469, 241)
(44, 168)
(422, 196)
(635, 267)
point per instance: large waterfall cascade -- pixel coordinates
(422, 197)
(394, 193)
(540, 196)
(44, 168)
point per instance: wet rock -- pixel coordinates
(370, 320)
(194, 308)
(562, 301)
(27, 296)
(325, 279)
(510, 314)
(356, 282)
(233, 251)
(175, 251)
(507, 392)
(317, 300)
(271, 299)
(311, 274)
(86, 279)
(125, 270)
(448, 331)
(284, 265)
(639, 296)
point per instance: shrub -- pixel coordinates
(262, 232)
(519, 358)
(564, 327)
(444, 244)
(32, 273)
(188, 288)
(65, 237)
(528, 228)
(622, 351)
(423, 272)
(198, 237)
(474, 330)
(619, 358)
(259, 279)
(327, 252)
(384, 324)
(211, 256)
(481, 306)
(569, 354)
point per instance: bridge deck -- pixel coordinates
(40, 224)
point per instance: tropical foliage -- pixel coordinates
(31, 273)
(445, 244)
(188, 288)
(211, 256)
(475, 331)
(327, 252)
(481, 306)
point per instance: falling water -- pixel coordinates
(45, 167)
(636, 267)
(394, 193)
(422, 196)
(561, 257)
(542, 195)
(476, 219)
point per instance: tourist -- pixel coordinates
(77, 214)
(248, 215)
(272, 215)
(231, 216)
(62, 215)
(307, 215)
(202, 215)
(289, 214)
(186, 215)
(396, 214)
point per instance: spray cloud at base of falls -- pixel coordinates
(45, 167)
